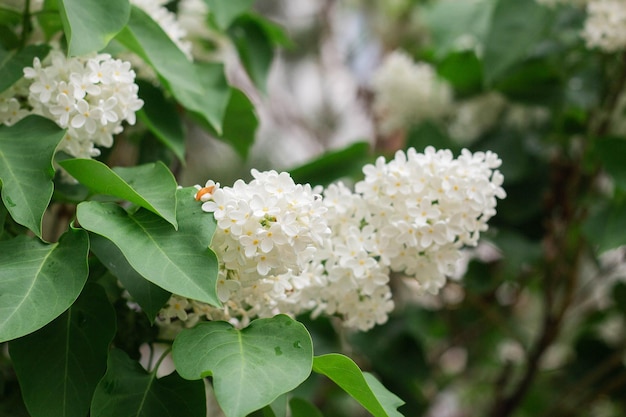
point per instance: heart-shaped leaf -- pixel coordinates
(26, 152)
(91, 24)
(151, 186)
(250, 367)
(178, 261)
(71, 352)
(128, 390)
(150, 297)
(363, 387)
(38, 281)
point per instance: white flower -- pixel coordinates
(91, 96)
(605, 26)
(406, 92)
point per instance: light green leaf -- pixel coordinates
(39, 281)
(151, 186)
(250, 367)
(516, 27)
(302, 408)
(161, 116)
(201, 88)
(26, 172)
(91, 24)
(12, 63)
(370, 394)
(178, 261)
(450, 22)
(59, 366)
(150, 297)
(224, 12)
(127, 390)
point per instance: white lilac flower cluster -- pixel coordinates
(406, 92)
(283, 249)
(167, 20)
(605, 26)
(90, 96)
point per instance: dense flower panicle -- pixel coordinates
(89, 96)
(283, 249)
(406, 92)
(605, 26)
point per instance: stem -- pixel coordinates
(26, 24)
(161, 358)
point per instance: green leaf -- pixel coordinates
(240, 123)
(250, 367)
(516, 27)
(12, 63)
(91, 24)
(178, 261)
(464, 71)
(161, 116)
(127, 390)
(335, 164)
(26, 172)
(302, 408)
(450, 22)
(151, 186)
(60, 365)
(38, 281)
(606, 227)
(201, 88)
(225, 12)
(150, 297)
(254, 46)
(370, 393)
(612, 152)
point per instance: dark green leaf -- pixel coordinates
(127, 390)
(150, 297)
(178, 261)
(330, 166)
(26, 172)
(370, 394)
(516, 27)
(250, 367)
(201, 88)
(464, 71)
(60, 365)
(606, 227)
(302, 408)
(91, 24)
(12, 63)
(224, 12)
(254, 46)
(162, 118)
(612, 153)
(38, 282)
(151, 186)
(240, 123)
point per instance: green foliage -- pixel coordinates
(12, 63)
(26, 152)
(39, 281)
(128, 390)
(363, 387)
(250, 367)
(91, 24)
(60, 365)
(150, 186)
(177, 261)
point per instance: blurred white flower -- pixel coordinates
(605, 26)
(406, 92)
